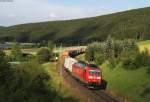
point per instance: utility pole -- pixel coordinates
(61, 64)
(60, 68)
(56, 57)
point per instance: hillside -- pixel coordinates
(133, 85)
(128, 24)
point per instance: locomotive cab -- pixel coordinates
(89, 74)
(94, 75)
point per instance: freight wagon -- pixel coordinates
(69, 62)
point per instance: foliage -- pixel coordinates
(144, 60)
(89, 53)
(16, 52)
(109, 48)
(131, 84)
(50, 45)
(43, 55)
(27, 84)
(4, 69)
(100, 53)
(117, 51)
(133, 59)
(120, 25)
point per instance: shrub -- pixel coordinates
(129, 63)
(43, 55)
(28, 84)
(50, 45)
(134, 59)
(16, 52)
(89, 53)
(118, 48)
(109, 48)
(99, 53)
(99, 58)
(144, 60)
(128, 58)
(4, 69)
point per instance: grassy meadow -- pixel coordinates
(129, 84)
(144, 45)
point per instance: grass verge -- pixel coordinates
(64, 90)
(128, 83)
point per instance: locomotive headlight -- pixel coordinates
(98, 77)
(90, 77)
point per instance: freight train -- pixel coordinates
(89, 74)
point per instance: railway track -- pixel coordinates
(105, 96)
(89, 95)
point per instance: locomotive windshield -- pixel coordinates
(92, 66)
(81, 64)
(94, 72)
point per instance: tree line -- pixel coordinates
(114, 51)
(44, 54)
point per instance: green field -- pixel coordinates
(31, 51)
(144, 45)
(129, 84)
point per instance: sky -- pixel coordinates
(13, 12)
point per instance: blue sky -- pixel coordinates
(114, 4)
(27, 11)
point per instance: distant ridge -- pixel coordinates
(128, 24)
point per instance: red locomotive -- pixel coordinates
(89, 74)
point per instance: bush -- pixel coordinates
(134, 59)
(43, 55)
(4, 69)
(89, 53)
(129, 63)
(16, 52)
(50, 45)
(128, 58)
(27, 84)
(99, 58)
(109, 48)
(144, 60)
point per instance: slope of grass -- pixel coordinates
(129, 24)
(63, 89)
(127, 83)
(81, 57)
(144, 45)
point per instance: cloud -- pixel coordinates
(26, 11)
(52, 15)
(12, 15)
